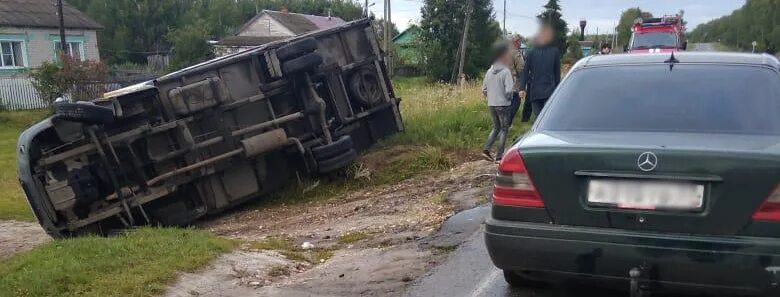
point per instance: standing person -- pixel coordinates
(542, 72)
(516, 66)
(498, 88)
(606, 49)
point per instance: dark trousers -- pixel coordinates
(500, 117)
(526, 116)
(537, 105)
(514, 108)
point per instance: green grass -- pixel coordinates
(13, 205)
(140, 263)
(445, 115)
(291, 251)
(352, 237)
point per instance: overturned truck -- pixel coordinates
(203, 139)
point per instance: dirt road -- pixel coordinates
(400, 239)
(20, 236)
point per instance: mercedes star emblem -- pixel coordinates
(647, 161)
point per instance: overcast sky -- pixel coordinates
(601, 14)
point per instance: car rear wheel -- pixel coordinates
(515, 279)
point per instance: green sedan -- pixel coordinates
(652, 172)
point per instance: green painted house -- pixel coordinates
(406, 47)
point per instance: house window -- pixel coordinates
(12, 55)
(74, 48)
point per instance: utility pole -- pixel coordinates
(505, 19)
(365, 10)
(63, 44)
(463, 45)
(389, 29)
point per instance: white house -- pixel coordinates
(270, 25)
(29, 34)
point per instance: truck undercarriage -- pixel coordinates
(198, 141)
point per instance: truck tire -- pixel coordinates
(364, 85)
(296, 49)
(84, 112)
(306, 62)
(328, 151)
(337, 162)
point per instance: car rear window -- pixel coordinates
(651, 98)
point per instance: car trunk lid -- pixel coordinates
(735, 172)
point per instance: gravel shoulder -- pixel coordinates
(403, 239)
(17, 237)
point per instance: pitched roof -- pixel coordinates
(248, 40)
(298, 23)
(42, 13)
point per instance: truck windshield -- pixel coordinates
(650, 98)
(655, 40)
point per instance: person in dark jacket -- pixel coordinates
(542, 72)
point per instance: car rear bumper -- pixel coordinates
(739, 264)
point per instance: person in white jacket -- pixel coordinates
(498, 88)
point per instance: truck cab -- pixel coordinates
(658, 35)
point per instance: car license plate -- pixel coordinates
(646, 194)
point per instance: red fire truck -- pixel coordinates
(658, 35)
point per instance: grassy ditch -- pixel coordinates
(140, 263)
(445, 125)
(12, 201)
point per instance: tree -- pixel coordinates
(552, 16)
(756, 20)
(627, 19)
(442, 24)
(190, 44)
(134, 28)
(82, 80)
(574, 52)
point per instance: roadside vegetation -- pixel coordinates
(140, 263)
(12, 202)
(445, 125)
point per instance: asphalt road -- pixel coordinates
(703, 47)
(470, 273)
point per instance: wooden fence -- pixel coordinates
(19, 93)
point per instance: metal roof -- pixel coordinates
(298, 23)
(42, 14)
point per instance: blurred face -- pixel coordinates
(517, 41)
(545, 35)
(505, 58)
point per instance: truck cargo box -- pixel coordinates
(203, 139)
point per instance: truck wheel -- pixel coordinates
(84, 112)
(337, 162)
(328, 151)
(303, 63)
(296, 49)
(364, 85)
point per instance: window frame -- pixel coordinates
(70, 42)
(23, 54)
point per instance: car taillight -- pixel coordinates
(513, 184)
(770, 210)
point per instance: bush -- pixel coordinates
(83, 80)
